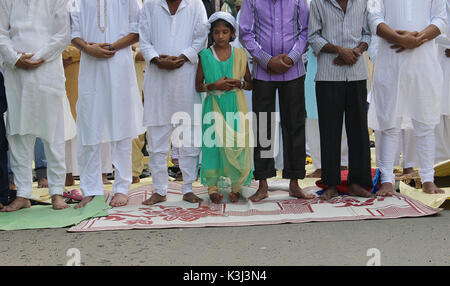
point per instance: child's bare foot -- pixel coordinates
(119, 200)
(136, 180)
(297, 192)
(17, 204)
(192, 198)
(262, 192)
(216, 198)
(42, 183)
(234, 197)
(386, 190)
(70, 181)
(58, 202)
(84, 202)
(431, 188)
(105, 180)
(154, 199)
(330, 193)
(316, 174)
(358, 191)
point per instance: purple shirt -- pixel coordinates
(268, 28)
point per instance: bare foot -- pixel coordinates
(192, 198)
(17, 204)
(297, 192)
(216, 198)
(70, 181)
(84, 202)
(431, 188)
(386, 190)
(234, 197)
(316, 174)
(330, 193)
(358, 191)
(1, 206)
(105, 180)
(136, 180)
(119, 200)
(262, 192)
(154, 199)
(42, 183)
(59, 203)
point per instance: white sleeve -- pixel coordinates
(7, 52)
(60, 23)
(75, 27)
(135, 8)
(145, 33)
(439, 15)
(200, 36)
(376, 14)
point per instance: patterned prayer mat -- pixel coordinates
(279, 208)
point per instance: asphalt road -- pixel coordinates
(411, 241)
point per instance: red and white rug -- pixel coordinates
(279, 208)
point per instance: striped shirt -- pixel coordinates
(268, 29)
(329, 24)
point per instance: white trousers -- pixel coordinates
(72, 158)
(21, 149)
(442, 140)
(425, 149)
(90, 166)
(160, 138)
(313, 140)
(408, 150)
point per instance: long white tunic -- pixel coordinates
(37, 100)
(407, 85)
(109, 106)
(444, 43)
(168, 92)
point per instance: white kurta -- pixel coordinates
(109, 106)
(406, 85)
(37, 100)
(168, 92)
(444, 43)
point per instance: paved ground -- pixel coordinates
(418, 241)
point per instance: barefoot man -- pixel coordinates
(275, 33)
(339, 34)
(109, 107)
(172, 33)
(408, 81)
(33, 35)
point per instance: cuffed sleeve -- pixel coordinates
(135, 7)
(61, 38)
(300, 44)
(200, 36)
(375, 15)
(315, 38)
(439, 15)
(247, 35)
(148, 50)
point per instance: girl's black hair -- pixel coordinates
(228, 25)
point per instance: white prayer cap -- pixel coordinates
(227, 17)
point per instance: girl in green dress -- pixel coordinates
(227, 136)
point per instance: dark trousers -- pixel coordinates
(334, 99)
(292, 113)
(4, 181)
